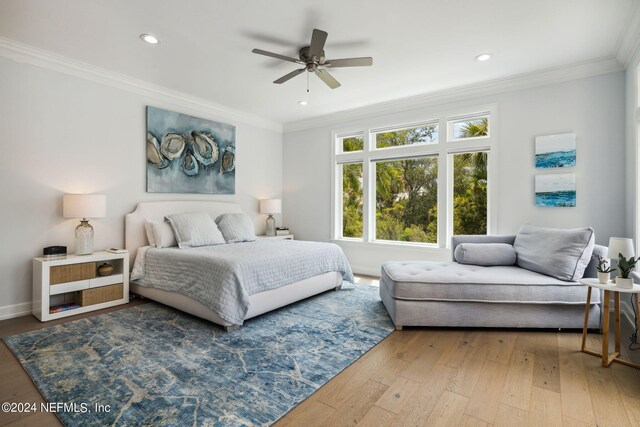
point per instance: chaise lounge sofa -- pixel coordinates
(511, 294)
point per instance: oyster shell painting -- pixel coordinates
(205, 148)
(154, 157)
(228, 160)
(172, 145)
(187, 154)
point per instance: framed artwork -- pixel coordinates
(188, 154)
(555, 190)
(556, 151)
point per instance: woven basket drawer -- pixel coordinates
(100, 295)
(72, 273)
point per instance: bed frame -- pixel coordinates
(136, 237)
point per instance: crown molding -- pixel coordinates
(25, 54)
(629, 40)
(491, 87)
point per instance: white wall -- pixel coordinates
(593, 108)
(63, 134)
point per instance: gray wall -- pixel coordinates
(593, 108)
(63, 134)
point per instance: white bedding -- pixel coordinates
(223, 277)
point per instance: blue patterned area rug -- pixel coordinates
(153, 365)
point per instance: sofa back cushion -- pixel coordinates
(485, 254)
(560, 253)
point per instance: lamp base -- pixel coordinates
(271, 226)
(84, 238)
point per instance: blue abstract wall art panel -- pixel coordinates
(555, 190)
(556, 151)
(187, 154)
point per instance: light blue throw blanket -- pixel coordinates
(222, 277)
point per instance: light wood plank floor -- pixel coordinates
(426, 376)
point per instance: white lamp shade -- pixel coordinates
(270, 206)
(620, 245)
(84, 205)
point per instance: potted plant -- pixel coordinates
(604, 269)
(625, 266)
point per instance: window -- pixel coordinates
(471, 127)
(352, 200)
(352, 143)
(470, 193)
(413, 184)
(422, 134)
(407, 200)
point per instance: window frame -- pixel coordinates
(445, 146)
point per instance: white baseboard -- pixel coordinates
(368, 271)
(15, 310)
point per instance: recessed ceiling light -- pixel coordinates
(149, 38)
(483, 57)
(303, 103)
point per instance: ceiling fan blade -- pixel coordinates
(277, 56)
(349, 62)
(289, 76)
(327, 78)
(318, 39)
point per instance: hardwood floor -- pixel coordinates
(425, 376)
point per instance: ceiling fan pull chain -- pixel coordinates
(307, 82)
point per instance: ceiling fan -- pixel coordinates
(312, 57)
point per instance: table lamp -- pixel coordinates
(270, 207)
(84, 206)
(620, 245)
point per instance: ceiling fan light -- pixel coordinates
(483, 57)
(149, 38)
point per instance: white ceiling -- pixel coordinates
(418, 46)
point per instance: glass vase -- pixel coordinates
(84, 238)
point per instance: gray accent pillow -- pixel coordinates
(195, 229)
(236, 227)
(560, 253)
(485, 254)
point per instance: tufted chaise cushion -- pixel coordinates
(450, 281)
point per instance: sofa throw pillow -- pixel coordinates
(236, 227)
(560, 253)
(195, 229)
(485, 254)
(162, 232)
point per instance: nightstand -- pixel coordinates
(607, 358)
(68, 286)
(285, 237)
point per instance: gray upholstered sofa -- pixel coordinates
(420, 293)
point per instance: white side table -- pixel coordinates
(282, 237)
(607, 358)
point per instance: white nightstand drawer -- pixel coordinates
(106, 280)
(68, 287)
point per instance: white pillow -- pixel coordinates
(195, 229)
(162, 232)
(236, 227)
(147, 227)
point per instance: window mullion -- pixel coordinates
(443, 188)
(368, 191)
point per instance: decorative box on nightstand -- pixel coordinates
(71, 285)
(283, 237)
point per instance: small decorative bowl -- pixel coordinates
(105, 269)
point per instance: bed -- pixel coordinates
(278, 295)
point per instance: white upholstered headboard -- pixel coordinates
(135, 235)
